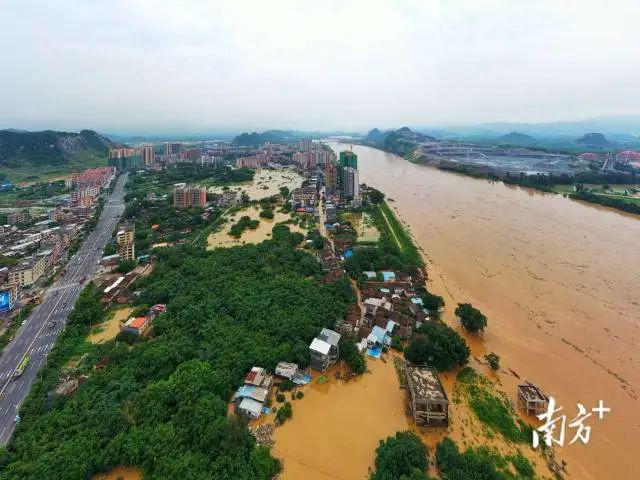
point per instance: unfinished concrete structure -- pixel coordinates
(531, 399)
(428, 402)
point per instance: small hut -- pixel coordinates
(531, 399)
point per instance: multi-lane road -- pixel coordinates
(38, 334)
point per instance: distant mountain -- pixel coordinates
(564, 130)
(255, 139)
(399, 141)
(48, 147)
(593, 140)
(515, 138)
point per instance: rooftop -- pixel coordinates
(321, 346)
(329, 336)
(424, 383)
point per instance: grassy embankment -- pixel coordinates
(391, 228)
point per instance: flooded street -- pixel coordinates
(558, 280)
(336, 427)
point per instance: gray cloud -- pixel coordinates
(189, 66)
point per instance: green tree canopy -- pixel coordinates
(402, 456)
(472, 319)
(438, 345)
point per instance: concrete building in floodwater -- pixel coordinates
(324, 349)
(428, 401)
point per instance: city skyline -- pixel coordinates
(154, 68)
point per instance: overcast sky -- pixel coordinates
(192, 66)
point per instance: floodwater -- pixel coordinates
(559, 281)
(119, 473)
(222, 239)
(111, 327)
(266, 183)
(336, 427)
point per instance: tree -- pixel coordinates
(438, 345)
(401, 456)
(284, 412)
(349, 353)
(493, 360)
(432, 302)
(472, 319)
(375, 196)
(125, 266)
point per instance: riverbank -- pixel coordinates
(543, 272)
(547, 184)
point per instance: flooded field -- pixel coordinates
(222, 238)
(363, 225)
(266, 183)
(558, 281)
(336, 427)
(110, 328)
(120, 473)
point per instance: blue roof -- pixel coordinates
(374, 352)
(379, 334)
(245, 391)
(416, 300)
(348, 254)
(388, 276)
(390, 326)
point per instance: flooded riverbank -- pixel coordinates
(558, 281)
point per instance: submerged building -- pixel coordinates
(428, 401)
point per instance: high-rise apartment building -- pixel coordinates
(172, 149)
(185, 196)
(351, 182)
(148, 156)
(192, 155)
(348, 159)
(125, 238)
(124, 158)
(331, 176)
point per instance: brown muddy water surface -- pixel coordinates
(559, 281)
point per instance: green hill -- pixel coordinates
(593, 140)
(400, 141)
(27, 156)
(515, 138)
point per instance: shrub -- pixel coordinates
(284, 412)
(493, 360)
(287, 386)
(266, 213)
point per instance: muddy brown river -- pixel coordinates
(559, 282)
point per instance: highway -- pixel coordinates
(38, 333)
